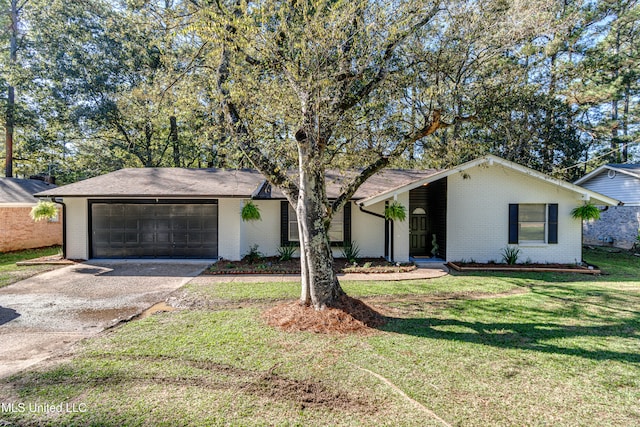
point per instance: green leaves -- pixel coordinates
(395, 211)
(250, 212)
(43, 210)
(587, 211)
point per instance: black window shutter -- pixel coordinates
(347, 223)
(284, 223)
(552, 236)
(513, 223)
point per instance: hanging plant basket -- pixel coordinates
(395, 212)
(250, 212)
(587, 212)
(44, 210)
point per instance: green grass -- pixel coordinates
(11, 273)
(564, 351)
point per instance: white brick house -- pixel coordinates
(473, 210)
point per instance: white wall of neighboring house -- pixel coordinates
(478, 216)
(77, 227)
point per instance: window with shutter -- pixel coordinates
(533, 223)
(339, 230)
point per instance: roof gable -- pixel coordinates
(490, 160)
(628, 169)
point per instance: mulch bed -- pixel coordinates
(273, 265)
(349, 316)
(557, 268)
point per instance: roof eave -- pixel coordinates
(490, 159)
(599, 170)
(420, 182)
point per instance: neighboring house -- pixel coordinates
(474, 210)
(17, 229)
(618, 226)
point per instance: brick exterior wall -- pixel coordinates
(617, 226)
(18, 231)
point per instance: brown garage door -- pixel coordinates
(158, 229)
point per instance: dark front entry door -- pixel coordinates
(419, 232)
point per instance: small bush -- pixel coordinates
(350, 251)
(286, 252)
(253, 256)
(510, 254)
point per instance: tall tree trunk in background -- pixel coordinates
(615, 143)
(173, 136)
(625, 121)
(11, 96)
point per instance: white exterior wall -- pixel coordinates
(478, 216)
(230, 230)
(77, 221)
(266, 232)
(401, 232)
(367, 231)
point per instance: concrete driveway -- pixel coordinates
(45, 315)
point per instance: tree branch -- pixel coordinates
(248, 146)
(430, 127)
(351, 99)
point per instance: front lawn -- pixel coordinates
(472, 350)
(11, 273)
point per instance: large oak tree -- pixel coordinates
(316, 84)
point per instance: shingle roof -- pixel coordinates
(16, 190)
(164, 182)
(176, 182)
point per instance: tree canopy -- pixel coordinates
(293, 88)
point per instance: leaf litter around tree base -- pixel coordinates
(348, 316)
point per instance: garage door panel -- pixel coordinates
(164, 230)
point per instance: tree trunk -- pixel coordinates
(10, 113)
(320, 282)
(173, 136)
(625, 122)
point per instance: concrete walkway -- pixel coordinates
(428, 271)
(46, 314)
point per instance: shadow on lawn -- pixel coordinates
(524, 336)
(550, 317)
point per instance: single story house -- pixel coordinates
(619, 225)
(17, 229)
(472, 211)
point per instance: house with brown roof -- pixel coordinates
(619, 225)
(472, 211)
(17, 229)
